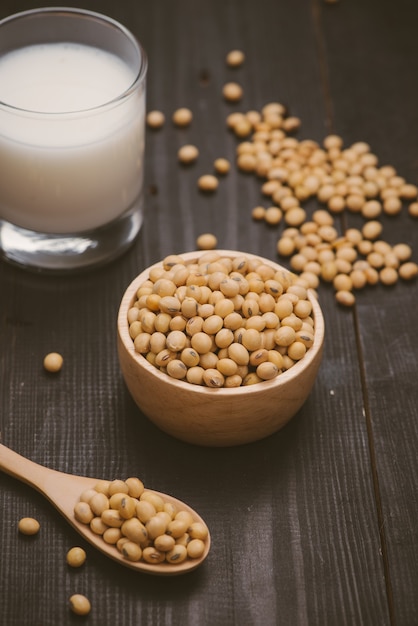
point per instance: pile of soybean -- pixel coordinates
(140, 523)
(341, 179)
(221, 321)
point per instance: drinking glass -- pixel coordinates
(72, 126)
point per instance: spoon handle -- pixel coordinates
(59, 488)
(21, 468)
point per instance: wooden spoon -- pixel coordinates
(64, 490)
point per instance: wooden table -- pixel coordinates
(316, 525)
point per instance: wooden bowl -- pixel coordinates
(223, 416)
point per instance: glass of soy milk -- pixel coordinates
(72, 124)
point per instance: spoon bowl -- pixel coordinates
(63, 492)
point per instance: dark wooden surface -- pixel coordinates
(316, 525)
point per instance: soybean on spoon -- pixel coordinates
(64, 490)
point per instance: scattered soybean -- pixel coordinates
(235, 58)
(53, 362)
(76, 557)
(182, 117)
(79, 604)
(155, 119)
(28, 526)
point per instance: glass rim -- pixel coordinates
(139, 77)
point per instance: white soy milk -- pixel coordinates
(71, 149)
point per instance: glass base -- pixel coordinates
(70, 251)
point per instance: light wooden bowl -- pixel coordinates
(216, 417)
